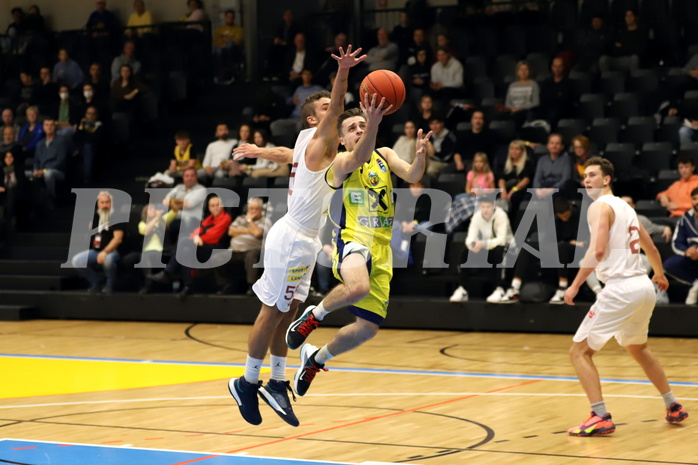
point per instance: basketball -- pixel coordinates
(386, 84)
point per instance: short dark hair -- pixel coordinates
(308, 107)
(561, 205)
(346, 115)
(182, 135)
(605, 165)
(694, 192)
(685, 160)
(229, 11)
(436, 117)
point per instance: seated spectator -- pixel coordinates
(523, 95)
(298, 60)
(480, 178)
(9, 141)
(384, 55)
(247, 232)
(420, 71)
(125, 90)
(446, 76)
(567, 218)
(184, 156)
(445, 145)
(590, 44)
(91, 99)
(102, 24)
(89, 142)
(13, 192)
(189, 196)
(151, 225)
(128, 57)
(476, 139)
(103, 254)
(234, 167)
(401, 35)
(553, 170)
(196, 14)
(264, 168)
(8, 121)
(31, 133)
(46, 93)
(67, 71)
(581, 146)
(99, 84)
(424, 112)
(688, 133)
(677, 198)
(684, 265)
(489, 234)
(49, 159)
(227, 48)
(557, 95)
(328, 64)
(201, 242)
(281, 44)
(419, 42)
(25, 94)
(138, 20)
(516, 177)
(628, 46)
(217, 153)
(66, 114)
(303, 91)
(15, 42)
(405, 146)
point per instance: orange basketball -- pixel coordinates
(386, 84)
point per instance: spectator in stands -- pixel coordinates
(15, 33)
(445, 145)
(13, 191)
(688, 132)
(31, 133)
(401, 35)
(90, 99)
(49, 159)
(99, 83)
(480, 178)
(516, 176)
(34, 22)
(384, 55)
(102, 24)
(489, 234)
(189, 196)
(150, 227)
(25, 94)
(8, 121)
(658, 232)
(298, 59)
(424, 112)
(523, 95)
(557, 95)
(327, 66)
(202, 241)
(446, 76)
(444, 41)
(65, 113)
(677, 198)
(590, 44)
(476, 139)
(264, 168)
(553, 170)
(138, 19)
(184, 155)
(405, 146)
(67, 71)
(419, 42)
(349, 99)
(628, 46)
(46, 93)
(217, 153)
(281, 43)
(89, 141)
(125, 90)
(567, 218)
(684, 265)
(196, 14)
(302, 92)
(247, 232)
(9, 141)
(420, 71)
(103, 254)
(581, 147)
(227, 48)
(128, 57)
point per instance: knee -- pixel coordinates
(358, 291)
(367, 330)
(579, 351)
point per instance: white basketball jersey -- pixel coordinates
(308, 193)
(623, 255)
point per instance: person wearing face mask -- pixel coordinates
(91, 98)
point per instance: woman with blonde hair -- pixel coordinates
(517, 175)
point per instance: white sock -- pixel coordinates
(669, 399)
(323, 356)
(320, 312)
(562, 284)
(252, 368)
(516, 284)
(278, 368)
(599, 408)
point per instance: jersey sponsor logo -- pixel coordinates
(296, 274)
(356, 197)
(381, 165)
(376, 221)
(373, 178)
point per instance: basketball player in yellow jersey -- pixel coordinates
(363, 210)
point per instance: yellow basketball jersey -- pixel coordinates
(363, 207)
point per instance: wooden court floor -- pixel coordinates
(419, 397)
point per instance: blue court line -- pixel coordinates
(51, 453)
(366, 370)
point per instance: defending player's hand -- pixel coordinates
(348, 59)
(570, 294)
(662, 282)
(422, 143)
(246, 151)
(374, 111)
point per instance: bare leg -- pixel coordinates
(351, 336)
(650, 364)
(581, 355)
(265, 325)
(278, 345)
(355, 287)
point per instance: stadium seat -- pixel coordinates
(570, 128)
(650, 208)
(591, 106)
(611, 82)
(624, 105)
(621, 155)
(638, 130)
(453, 183)
(604, 130)
(655, 156)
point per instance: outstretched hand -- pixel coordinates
(372, 111)
(246, 151)
(422, 142)
(348, 59)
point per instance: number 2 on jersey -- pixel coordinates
(634, 243)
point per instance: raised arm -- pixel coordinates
(275, 154)
(409, 172)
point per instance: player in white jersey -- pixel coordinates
(624, 306)
(291, 247)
